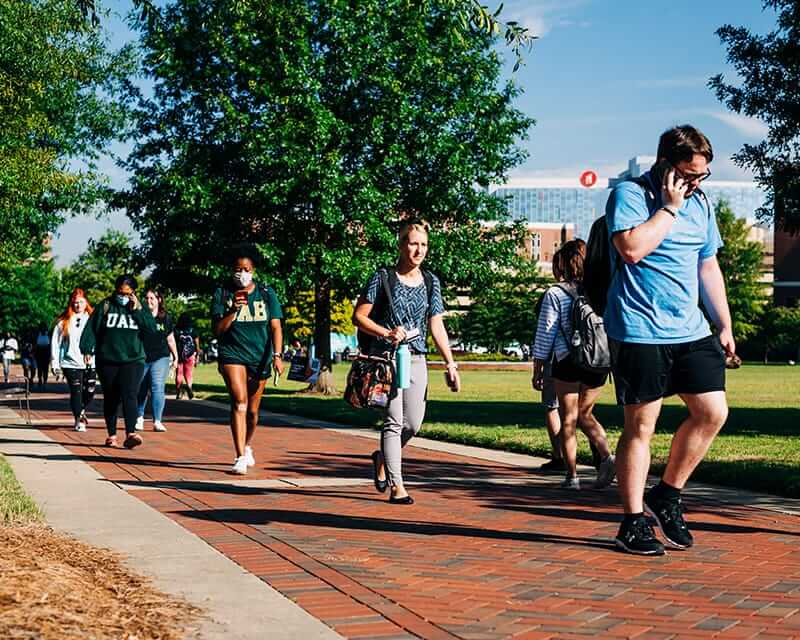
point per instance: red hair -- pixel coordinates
(65, 317)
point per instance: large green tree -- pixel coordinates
(309, 128)
(95, 269)
(29, 295)
(741, 261)
(768, 68)
(506, 312)
(58, 112)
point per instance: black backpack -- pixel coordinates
(382, 301)
(588, 344)
(186, 346)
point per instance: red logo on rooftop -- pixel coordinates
(588, 178)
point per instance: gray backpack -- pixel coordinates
(588, 344)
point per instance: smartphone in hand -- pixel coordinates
(240, 298)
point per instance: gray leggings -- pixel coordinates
(404, 419)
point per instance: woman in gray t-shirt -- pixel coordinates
(416, 307)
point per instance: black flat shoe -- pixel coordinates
(380, 485)
(404, 500)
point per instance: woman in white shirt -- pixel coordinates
(9, 348)
(66, 356)
(576, 388)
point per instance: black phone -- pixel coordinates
(661, 168)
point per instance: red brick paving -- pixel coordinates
(470, 560)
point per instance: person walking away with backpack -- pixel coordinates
(9, 348)
(664, 243)
(246, 318)
(115, 334)
(66, 356)
(552, 420)
(399, 306)
(577, 388)
(160, 355)
(42, 354)
(188, 346)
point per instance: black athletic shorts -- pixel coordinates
(254, 371)
(646, 372)
(567, 371)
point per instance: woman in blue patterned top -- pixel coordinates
(416, 306)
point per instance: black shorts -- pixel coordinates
(567, 371)
(254, 371)
(646, 372)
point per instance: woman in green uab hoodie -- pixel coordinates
(115, 336)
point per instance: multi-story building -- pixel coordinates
(787, 269)
(554, 201)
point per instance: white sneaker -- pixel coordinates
(571, 483)
(248, 455)
(79, 426)
(239, 466)
(158, 426)
(605, 474)
(140, 423)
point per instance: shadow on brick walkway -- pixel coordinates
(489, 550)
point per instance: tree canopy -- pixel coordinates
(310, 129)
(58, 82)
(95, 269)
(741, 261)
(768, 67)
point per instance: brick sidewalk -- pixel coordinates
(488, 550)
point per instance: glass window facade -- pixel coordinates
(580, 206)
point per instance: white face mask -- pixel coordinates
(242, 278)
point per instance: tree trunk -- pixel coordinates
(322, 335)
(322, 319)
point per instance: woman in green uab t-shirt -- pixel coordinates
(246, 318)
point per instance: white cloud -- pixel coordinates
(745, 125)
(541, 17)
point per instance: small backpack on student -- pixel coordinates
(588, 344)
(186, 346)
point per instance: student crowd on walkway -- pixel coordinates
(656, 249)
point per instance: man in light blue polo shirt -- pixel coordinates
(664, 240)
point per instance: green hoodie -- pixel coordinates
(115, 332)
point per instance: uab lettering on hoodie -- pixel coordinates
(116, 333)
(120, 321)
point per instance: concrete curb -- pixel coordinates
(78, 501)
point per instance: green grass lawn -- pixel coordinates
(758, 449)
(15, 505)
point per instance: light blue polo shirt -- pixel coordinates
(656, 300)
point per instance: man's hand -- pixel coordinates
(278, 362)
(673, 190)
(537, 380)
(726, 340)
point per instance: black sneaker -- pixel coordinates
(636, 536)
(668, 515)
(556, 464)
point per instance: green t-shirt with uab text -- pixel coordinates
(248, 340)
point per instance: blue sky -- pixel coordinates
(604, 79)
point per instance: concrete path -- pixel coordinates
(492, 549)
